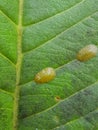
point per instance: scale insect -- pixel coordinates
(45, 75)
(87, 52)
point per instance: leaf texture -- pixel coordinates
(35, 34)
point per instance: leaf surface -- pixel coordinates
(35, 34)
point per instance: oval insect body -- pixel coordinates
(87, 52)
(45, 75)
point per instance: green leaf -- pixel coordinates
(35, 34)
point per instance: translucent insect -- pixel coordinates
(45, 75)
(87, 52)
(57, 98)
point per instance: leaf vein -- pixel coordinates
(8, 60)
(76, 120)
(8, 17)
(43, 44)
(9, 93)
(55, 69)
(55, 14)
(62, 100)
(6, 108)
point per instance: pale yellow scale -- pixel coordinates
(87, 52)
(45, 75)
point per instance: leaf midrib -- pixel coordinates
(18, 66)
(43, 44)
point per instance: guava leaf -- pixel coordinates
(35, 34)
